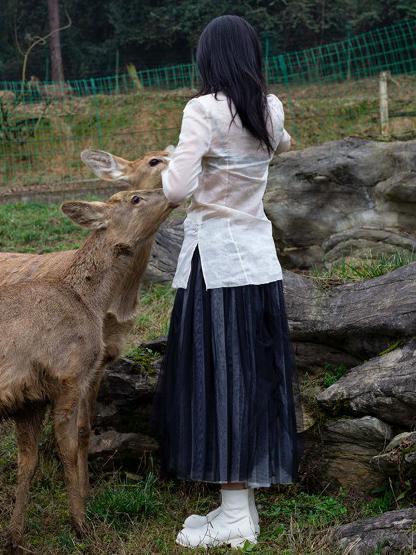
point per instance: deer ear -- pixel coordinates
(92, 215)
(106, 165)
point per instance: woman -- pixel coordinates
(225, 395)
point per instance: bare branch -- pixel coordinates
(42, 40)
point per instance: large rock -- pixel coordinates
(391, 532)
(125, 398)
(165, 252)
(399, 457)
(364, 243)
(360, 319)
(346, 194)
(348, 445)
(112, 447)
(385, 387)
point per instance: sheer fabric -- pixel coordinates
(221, 166)
(228, 397)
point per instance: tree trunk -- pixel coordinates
(55, 41)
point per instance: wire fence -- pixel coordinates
(44, 125)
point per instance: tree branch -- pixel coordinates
(42, 40)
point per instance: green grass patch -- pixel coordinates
(383, 501)
(37, 228)
(132, 514)
(143, 356)
(333, 374)
(391, 347)
(116, 502)
(310, 509)
(155, 306)
(358, 270)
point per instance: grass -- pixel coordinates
(38, 228)
(143, 356)
(358, 270)
(120, 502)
(156, 301)
(333, 374)
(139, 513)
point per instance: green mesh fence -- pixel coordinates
(44, 126)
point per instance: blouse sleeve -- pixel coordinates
(284, 142)
(181, 177)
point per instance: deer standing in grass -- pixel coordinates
(59, 328)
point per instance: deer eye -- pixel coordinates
(135, 199)
(154, 162)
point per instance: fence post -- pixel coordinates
(384, 103)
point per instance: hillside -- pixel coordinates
(40, 142)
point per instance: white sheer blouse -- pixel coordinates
(224, 171)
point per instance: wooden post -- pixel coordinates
(384, 103)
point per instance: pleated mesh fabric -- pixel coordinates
(228, 389)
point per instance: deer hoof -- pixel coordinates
(13, 546)
(79, 527)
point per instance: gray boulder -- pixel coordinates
(165, 252)
(384, 386)
(399, 457)
(359, 319)
(391, 532)
(111, 447)
(347, 446)
(353, 186)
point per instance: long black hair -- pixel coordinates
(229, 59)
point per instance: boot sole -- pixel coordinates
(235, 543)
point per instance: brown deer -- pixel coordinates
(141, 174)
(55, 330)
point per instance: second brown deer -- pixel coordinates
(55, 332)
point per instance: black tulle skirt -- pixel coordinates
(228, 394)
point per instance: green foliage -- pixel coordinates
(333, 374)
(156, 302)
(149, 33)
(384, 501)
(316, 510)
(143, 356)
(391, 347)
(120, 501)
(369, 268)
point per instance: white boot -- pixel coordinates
(233, 524)
(194, 521)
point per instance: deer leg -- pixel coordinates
(66, 433)
(84, 432)
(28, 427)
(85, 423)
(93, 393)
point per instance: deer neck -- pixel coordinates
(98, 269)
(124, 302)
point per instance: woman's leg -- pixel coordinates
(237, 485)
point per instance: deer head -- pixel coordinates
(128, 217)
(144, 172)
